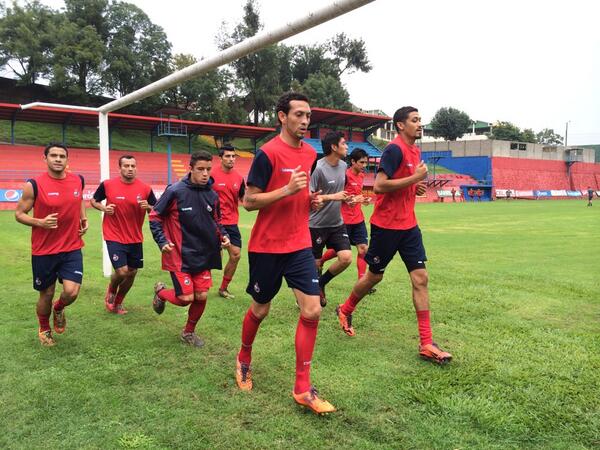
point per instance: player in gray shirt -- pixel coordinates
(326, 224)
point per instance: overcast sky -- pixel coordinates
(533, 63)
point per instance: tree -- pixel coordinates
(349, 54)
(311, 59)
(326, 91)
(138, 51)
(528, 135)
(506, 131)
(205, 97)
(25, 40)
(257, 74)
(549, 137)
(450, 123)
(79, 50)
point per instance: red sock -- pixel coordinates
(361, 265)
(119, 298)
(249, 329)
(306, 335)
(44, 321)
(59, 305)
(225, 283)
(329, 254)
(350, 305)
(111, 289)
(168, 295)
(424, 327)
(194, 314)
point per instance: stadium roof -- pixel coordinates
(8, 111)
(346, 118)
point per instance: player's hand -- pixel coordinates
(109, 209)
(316, 200)
(50, 221)
(366, 200)
(225, 242)
(298, 181)
(167, 248)
(340, 196)
(421, 187)
(144, 205)
(421, 171)
(83, 226)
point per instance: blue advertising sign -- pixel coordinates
(10, 195)
(542, 193)
(574, 193)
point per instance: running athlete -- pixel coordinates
(127, 202)
(58, 223)
(352, 211)
(394, 229)
(185, 223)
(230, 186)
(280, 244)
(326, 224)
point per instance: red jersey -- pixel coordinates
(396, 210)
(230, 187)
(61, 196)
(125, 225)
(354, 185)
(281, 227)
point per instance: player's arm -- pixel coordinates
(148, 203)
(161, 210)
(224, 236)
(26, 204)
(317, 185)
(389, 163)
(98, 197)
(83, 221)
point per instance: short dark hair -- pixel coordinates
(125, 157)
(283, 104)
(55, 144)
(402, 114)
(226, 148)
(201, 155)
(331, 138)
(358, 154)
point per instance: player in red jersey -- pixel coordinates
(394, 229)
(230, 186)
(354, 219)
(185, 223)
(58, 223)
(128, 200)
(280, 244)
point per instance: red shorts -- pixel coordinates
(188, 283)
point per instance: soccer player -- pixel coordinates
(280, 244)
(590, 193)
(326, 224)
(58, 223)
(185, 225)
(230, 186)
(127, 202)
(354, 220)
(394, 229)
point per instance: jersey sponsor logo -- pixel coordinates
(120, 198)
(221, 184)
(206, 277)
(285, 169)
(186, 209)
(75, 193)
(235, 185)
(409, 165)
(53, 194)
(331, 182)
(354, 184)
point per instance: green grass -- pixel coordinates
(515, 298)
(87, 137)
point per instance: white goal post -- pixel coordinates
(244, 48)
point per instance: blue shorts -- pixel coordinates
(64, 266)
(357, 233)
(130, 255)
(268, 269)
(234, 235)
(335, 238)
(386, 242)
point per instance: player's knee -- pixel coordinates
(235, 256)
(131, 273)
(345, 257)
(188, 298)
(311, 311)
(373, 278)
(200, 296)
(362, 249)
(260, 310)
(122, 272)
(419, 279)
(70, 295)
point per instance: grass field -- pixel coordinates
(515, 297)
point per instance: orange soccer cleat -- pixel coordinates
(432, 352)
(243, 376)
(311, 400)
(345, 321)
